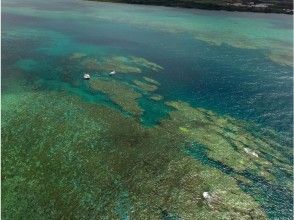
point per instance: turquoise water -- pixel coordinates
(236, 65)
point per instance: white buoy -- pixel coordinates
(86, 76)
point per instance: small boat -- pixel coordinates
(86, 76)
(112, 72)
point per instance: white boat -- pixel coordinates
(86, 76)
(112, 72)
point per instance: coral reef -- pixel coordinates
(107, 167)
(89, 160)
(110, 147)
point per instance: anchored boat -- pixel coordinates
(112, 72)
(86, 76)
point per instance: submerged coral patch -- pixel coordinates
(156, 97)
(77, 56)
(27, 64)
(226, 139)
(119, 92)
(283, 57)
(121, 64)
(153, 81)
(145, 86)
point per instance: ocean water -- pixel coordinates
(73, 149)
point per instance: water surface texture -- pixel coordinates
(201, 102)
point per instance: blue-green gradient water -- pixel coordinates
(237, 65)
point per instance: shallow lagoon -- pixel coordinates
(77, 149)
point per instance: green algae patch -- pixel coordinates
(227, 140)
(156, 97)
(120, 93)
(67, 159)
(145, 86)
(121, 64)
